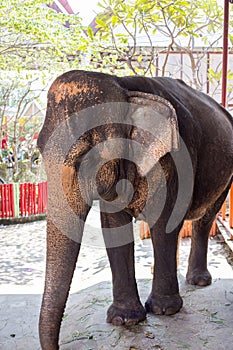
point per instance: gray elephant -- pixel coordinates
(146, 148)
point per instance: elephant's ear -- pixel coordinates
(154, 126)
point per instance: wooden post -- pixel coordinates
(231, 208)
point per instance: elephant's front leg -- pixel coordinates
(118, 235)
(164, 297)
(66, 216)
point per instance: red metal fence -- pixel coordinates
(7, 200)
(18, 200)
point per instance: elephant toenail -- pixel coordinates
(117, 321)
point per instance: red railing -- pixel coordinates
(19, 200)
(7, 200)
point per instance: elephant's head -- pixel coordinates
(143, 129)
(110, 136)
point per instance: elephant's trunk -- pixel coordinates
(62, 253)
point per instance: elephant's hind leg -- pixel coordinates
(198, 273)
(118, 235)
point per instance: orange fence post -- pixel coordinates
(231, 208)
(144, 230)
(183, 232)
(213, 230)
(186, 230)
(224, 210)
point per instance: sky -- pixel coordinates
(87, 9)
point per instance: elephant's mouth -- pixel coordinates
(115, 189)
(119, 194)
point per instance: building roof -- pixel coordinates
(62, 6)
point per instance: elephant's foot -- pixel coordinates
(164, 304)
(199, 278)
(125, 316)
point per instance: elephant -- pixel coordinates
(152, 149)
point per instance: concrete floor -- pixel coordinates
(205, 321)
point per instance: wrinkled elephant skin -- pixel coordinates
(149, 148)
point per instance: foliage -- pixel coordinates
(16, 95)
(215, 78)
(33, 36)
(37, 43)
(127, 26)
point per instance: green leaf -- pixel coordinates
(231, 38)
(90, 33)
(114, 20)
(100, 23)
